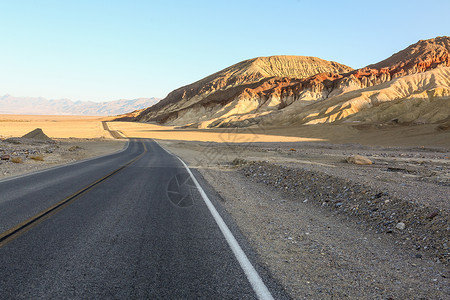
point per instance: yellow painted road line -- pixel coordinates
(23, 227)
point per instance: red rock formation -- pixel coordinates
(253, 80)
(419, 57)
(238, 75)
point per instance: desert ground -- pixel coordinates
(74, 138)
(53, 126)
(362, 134)
(324, 227)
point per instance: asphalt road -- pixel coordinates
(131, 225)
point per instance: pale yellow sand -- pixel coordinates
(144, 130)
(418, 135)
(91, 127)
(53, 126)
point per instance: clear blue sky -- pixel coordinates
(106, 50)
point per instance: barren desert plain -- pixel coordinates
(294, 196)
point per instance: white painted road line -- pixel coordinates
(253, 277)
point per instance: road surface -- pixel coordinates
(131, 225)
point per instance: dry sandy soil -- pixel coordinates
(325, 229)
(62, 151)
(373, 135)
(53, 126)
(75, 138)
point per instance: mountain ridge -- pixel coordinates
(245, 72)
(418, 57)
(283, 99)
(42, 106)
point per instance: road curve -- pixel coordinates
(114, 133)
(131, 225)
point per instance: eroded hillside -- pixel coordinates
(236, 76)
(412, 86)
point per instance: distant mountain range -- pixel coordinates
(41, 106)
(410, 87)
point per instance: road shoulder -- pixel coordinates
(313, 251)
(59, 152)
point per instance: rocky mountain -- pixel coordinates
(221, 85)
(412, 86)
(41, 106)
(419, 57)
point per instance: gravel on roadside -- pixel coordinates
(33, 155)
(421, 228)
(327, 229)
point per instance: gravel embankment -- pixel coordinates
(422, 228)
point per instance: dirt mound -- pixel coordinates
(37, 134)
